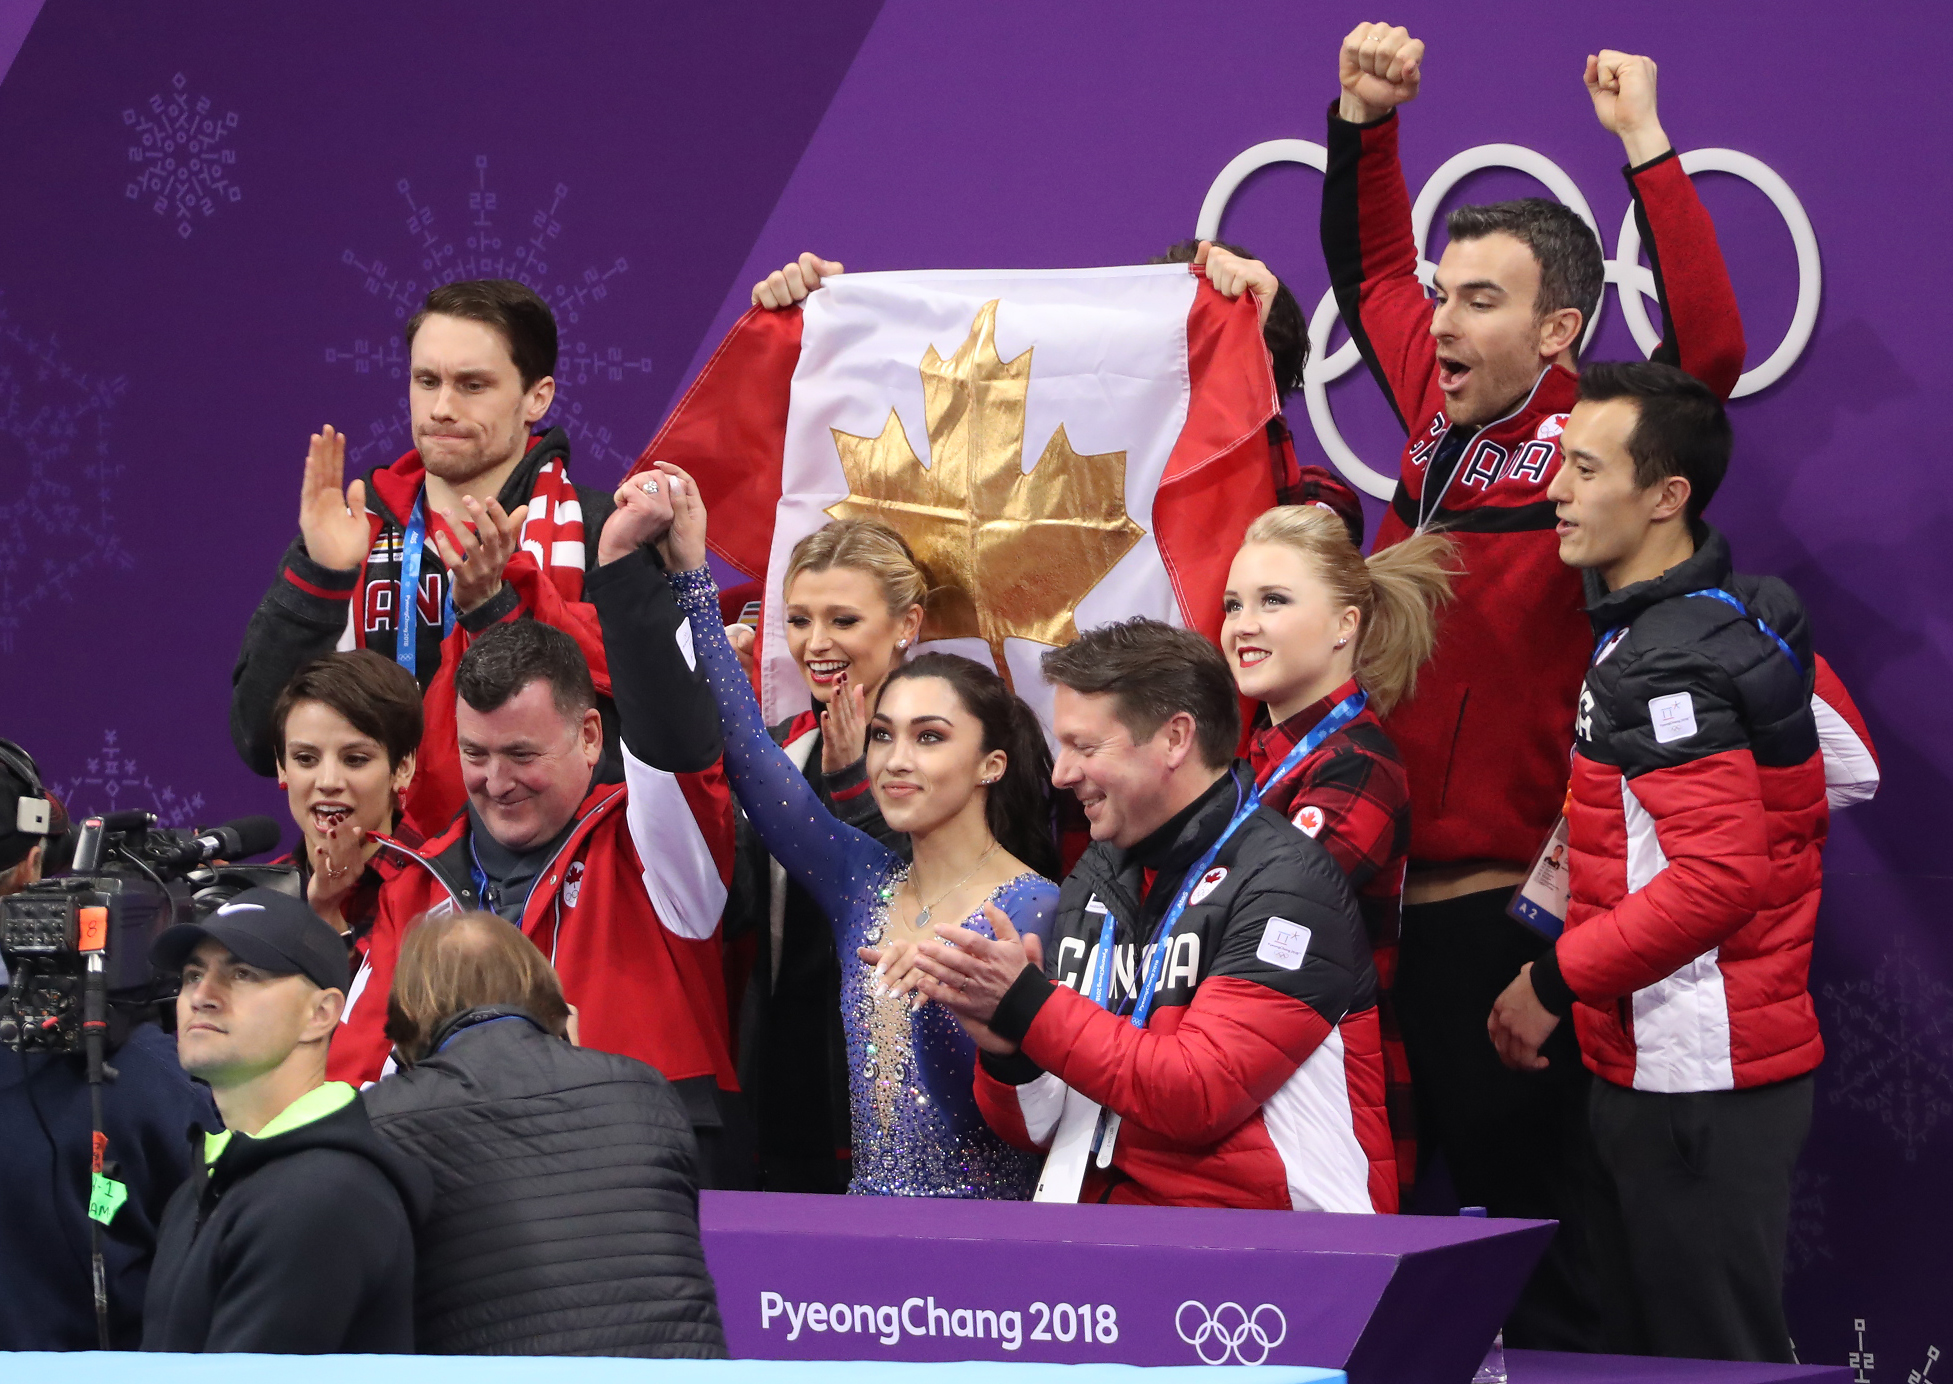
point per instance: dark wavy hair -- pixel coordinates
(1286, 332)
(1019, 808)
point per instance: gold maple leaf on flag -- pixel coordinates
(1012, 552)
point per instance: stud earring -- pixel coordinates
(901, 643)
(1341, 642)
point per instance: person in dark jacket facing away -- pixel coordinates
(294, 1232)
(1695, 825)
(565, 1215)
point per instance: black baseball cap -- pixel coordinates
(264, 928)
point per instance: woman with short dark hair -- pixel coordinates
(565, 1214)
(345, 730)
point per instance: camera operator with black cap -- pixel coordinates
(294, 1232)
(45, 1159)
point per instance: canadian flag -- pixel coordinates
(1061, 448)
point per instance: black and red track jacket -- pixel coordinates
(1696, 829)
(1257, 1081)
(312, 610)
(1486, 735)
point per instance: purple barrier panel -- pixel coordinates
(1554, 1367)
(1390, 1299)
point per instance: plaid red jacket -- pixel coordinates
(1353, 796)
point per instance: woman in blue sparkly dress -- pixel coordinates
(957, 762)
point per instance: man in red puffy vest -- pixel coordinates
(1696, 828)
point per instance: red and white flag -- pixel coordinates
(1061, 448)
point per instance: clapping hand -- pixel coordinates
(844, 726)
(475, 570)
(969, 974)
(332, 525)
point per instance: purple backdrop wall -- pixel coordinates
(175, 319)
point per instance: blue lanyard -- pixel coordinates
(1341, 715)
(406, 615)
(1719, 594)
(483, 897)
(1602, 645)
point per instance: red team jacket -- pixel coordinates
(629, 910)
(1696, 832)
(1258, 1079)
(1486, 737)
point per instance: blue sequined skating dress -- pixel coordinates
(917, 1130)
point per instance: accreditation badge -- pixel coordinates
(1541, 901)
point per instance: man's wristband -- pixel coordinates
(1554, 994)
(492, 611)
(1020, 1005)
(1013, 1070)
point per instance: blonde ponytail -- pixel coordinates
(1396, 592)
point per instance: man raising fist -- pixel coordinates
(477, 525)
(1482, 375)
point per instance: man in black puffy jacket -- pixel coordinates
(565, 1214)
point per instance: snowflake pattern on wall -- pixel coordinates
(1892, 1042)
(485, 249)
(1809, 1239)
(182, 156)
(112, 782)
(57, 518)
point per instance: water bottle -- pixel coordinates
(1492, 1369)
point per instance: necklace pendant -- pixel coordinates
(922, 919)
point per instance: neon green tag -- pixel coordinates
(106, 1199)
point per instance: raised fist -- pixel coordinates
(1380, 68)
(785, 287)
(1622, 86)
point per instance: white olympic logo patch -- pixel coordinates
(1624, 271)
(1231, 1330)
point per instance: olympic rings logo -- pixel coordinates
(1624, 271)
(1231, 1331)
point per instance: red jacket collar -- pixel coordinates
(1272, 743)
(601, 802)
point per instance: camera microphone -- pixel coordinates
(243, 836)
